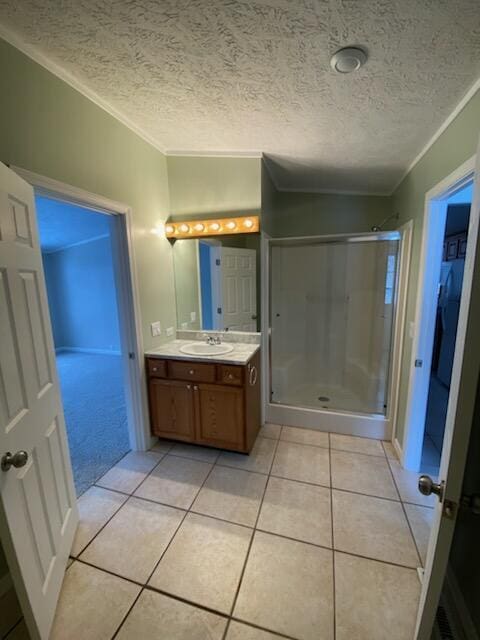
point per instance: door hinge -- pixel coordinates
(449, 509)
(219, 309)
(131, 355)
(418, 363)
(217, 262)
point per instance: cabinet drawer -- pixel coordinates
(197, 371)
(229, 374)
(156, 368)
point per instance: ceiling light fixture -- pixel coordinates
(348, 59)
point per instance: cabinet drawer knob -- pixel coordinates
(154, 369)
(189, 386)
(191, 372)
(230, 376)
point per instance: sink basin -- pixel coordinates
(204, 349)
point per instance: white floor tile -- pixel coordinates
(288, 587)
(204, 562)
(302, 462)
(133, 541)
(362, 474)
(127, 474)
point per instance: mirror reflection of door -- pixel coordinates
(228, 288)
(216, 285)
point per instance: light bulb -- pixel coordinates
(231, 224)
(169, 228)
(248, 223)
(214, 226)
(184, 228)
(199, 227)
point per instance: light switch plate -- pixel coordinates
(193, 316)
(170, 331)
(156, 328)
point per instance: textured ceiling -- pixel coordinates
(254, 75)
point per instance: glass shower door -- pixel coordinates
(332, 309)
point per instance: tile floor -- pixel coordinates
(312, 536)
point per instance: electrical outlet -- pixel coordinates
(156, 328)
(170, 331)
(193, 316)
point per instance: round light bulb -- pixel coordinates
(231, 224)
(169, 228)
(215, 226)
(199, 226)
(184, 228)
(248, 223)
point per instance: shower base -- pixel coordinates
(316, 396)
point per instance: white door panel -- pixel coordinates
(465, 376)
(239, 289)
(38, 514)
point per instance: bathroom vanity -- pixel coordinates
(204, 399)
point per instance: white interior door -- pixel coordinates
(239, 289)
(465, 376)
(38, 510)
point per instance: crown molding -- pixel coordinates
(77, 244)
(336, 192)
(32, 53)
(187, 153)
(463, 102)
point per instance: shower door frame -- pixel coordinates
(340, 421)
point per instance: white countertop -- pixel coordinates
(241, 354)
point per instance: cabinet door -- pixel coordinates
(220, 416)
(171, 409)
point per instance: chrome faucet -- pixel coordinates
(214, 340)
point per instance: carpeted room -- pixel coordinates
(79, 274)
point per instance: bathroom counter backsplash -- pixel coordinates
(241, 354)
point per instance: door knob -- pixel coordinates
(16, 460)
(427, 486)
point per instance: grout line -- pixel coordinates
(121, 506)
(277, 634)
(144, 586)
(234, 601)
(333, 542)
(406, 518)
(129, 611)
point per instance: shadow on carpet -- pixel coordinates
(95, 413)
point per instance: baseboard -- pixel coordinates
(459, 614)
(398, 449)
(106, 352)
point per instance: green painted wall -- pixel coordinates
(213, 186)
(51, 129)
(288, 213)
(456, 144)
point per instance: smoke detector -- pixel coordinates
(348, 59)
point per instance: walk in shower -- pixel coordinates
(332, 311)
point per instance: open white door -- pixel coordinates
(239, 289)
(38, 509)
(465, 376)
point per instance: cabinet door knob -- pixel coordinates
(191, 372)
(195, 388)
(189, 386)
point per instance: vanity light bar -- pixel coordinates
(219, 227)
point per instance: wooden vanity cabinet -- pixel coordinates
(213, 404)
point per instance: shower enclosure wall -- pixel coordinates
(332, 307)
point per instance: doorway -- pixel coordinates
(445, 239)
(449, 292)
(76, 245)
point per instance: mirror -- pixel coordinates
(217, 283)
